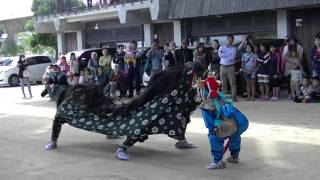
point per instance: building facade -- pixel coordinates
(121, 21)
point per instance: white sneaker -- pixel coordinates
(184, 145)
(122, 154)
(219, 165)
(234, 160)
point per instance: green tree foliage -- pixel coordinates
(10, 49)
(2, 28)
(38, 43)
(29, 25)
(44, 7)
(43, 39)
(31, 42)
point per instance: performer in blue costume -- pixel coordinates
(223, 121)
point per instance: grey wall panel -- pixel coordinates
(194, 8)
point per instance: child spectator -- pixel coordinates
(102, 78)
(81, 78)
(88, 77)
(275, 72)
(263, 67)
(64, 66)
(121, 81)
(70, 79)
(304, 93)
(296, 81)
(249, 64)
(315, 90)
(111, 87)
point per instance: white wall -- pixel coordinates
(61, 43)
(177, 32)
(283, 26)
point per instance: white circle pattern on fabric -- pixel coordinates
(162, 121)
(174, 92)
(95, 117)
(178, 101)
(88, 123)
(137, 132)
(179, 116)
(154, 117)
(154, 105)
(172, 133)
(164, 100)
(139, 113)
(154, 130)
(132, 121)
(110, 124)
(144, 122)
(122, 126)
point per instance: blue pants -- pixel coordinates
(217, 144)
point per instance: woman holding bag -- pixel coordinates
(24, 75)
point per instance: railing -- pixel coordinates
(54, 7)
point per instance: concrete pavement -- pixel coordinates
(282, 142)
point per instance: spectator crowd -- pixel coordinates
(264, 66)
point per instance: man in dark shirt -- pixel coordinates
(119, 57)
(58, 81)
(184, 54)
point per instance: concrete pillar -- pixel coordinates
(61, 43)
(148, 34)
(177, 32)
(283, 24)
(122, 13)
(80, 41)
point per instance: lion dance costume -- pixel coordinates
(164, 108)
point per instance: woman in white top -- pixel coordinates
(289, 63)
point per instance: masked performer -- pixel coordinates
(164, 108)
(223, 121)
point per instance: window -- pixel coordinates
(31, 61)
(42, 60)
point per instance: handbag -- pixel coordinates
(26, 73)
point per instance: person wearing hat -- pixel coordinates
(184, 54)
(200, 56)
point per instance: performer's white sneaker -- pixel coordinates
(234, 160)
(51, 145)
(183, 144)
(219, 165)
(122, 154)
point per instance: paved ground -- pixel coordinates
(282, 142)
